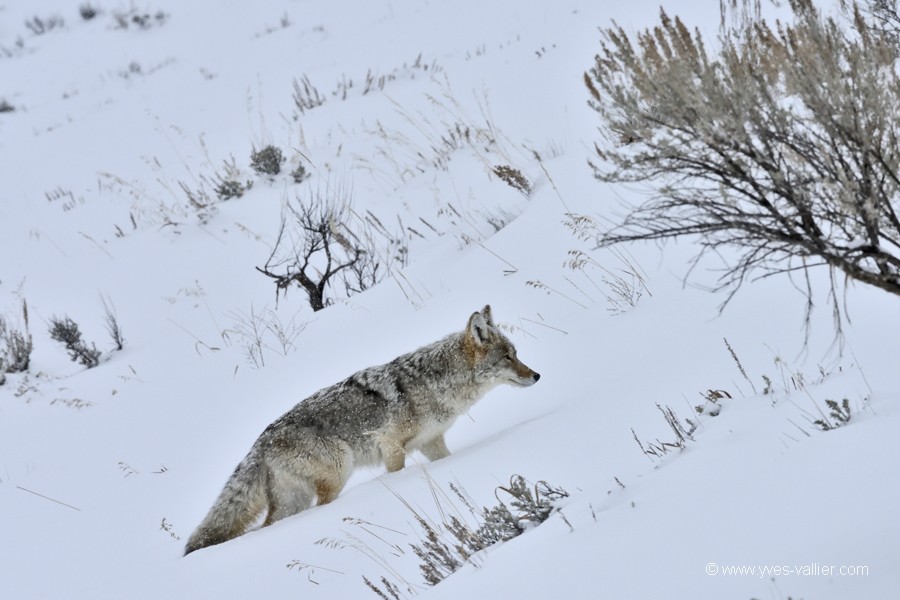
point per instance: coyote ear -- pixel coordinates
(478, 328)
(486, 311)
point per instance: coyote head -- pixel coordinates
(492, 355)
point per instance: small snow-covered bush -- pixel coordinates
(18, 351)
(228, 184)
(88, 11)
(300, 174)
(66, 331)
(267, 161)
(15, 346)
(514, 178)
(229, 188)
(840, 413)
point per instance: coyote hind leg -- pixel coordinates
(287, 496)
(327, 490)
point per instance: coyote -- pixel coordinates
(377, 415)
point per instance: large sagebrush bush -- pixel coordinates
(781, 145)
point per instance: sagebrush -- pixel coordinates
(782, 145)
(66, 331)
(446, 546)
(15, 346)
(267, 161)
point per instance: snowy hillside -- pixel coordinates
(118, 130)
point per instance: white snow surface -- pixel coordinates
(105, 472)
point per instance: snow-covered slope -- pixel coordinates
(104, 472)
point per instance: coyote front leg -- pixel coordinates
(394, 455)
(436, 449)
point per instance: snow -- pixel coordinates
(102, 469)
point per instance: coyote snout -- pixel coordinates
(524, 375)
(377, 415)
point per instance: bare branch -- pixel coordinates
(316, 246)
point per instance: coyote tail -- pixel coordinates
(238, 506)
